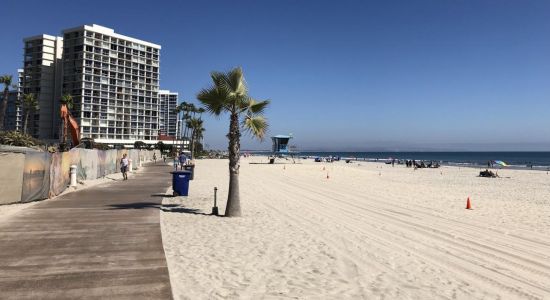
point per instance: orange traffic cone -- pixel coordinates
(468, 204)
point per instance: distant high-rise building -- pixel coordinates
(42, 77)
(167, 117)
(114, 81)
(14, 114)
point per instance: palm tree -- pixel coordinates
(182, 107)
(29, 103)
(188, 109)
(195, 125)
(6, 80)
(66, 105)
(229, 94)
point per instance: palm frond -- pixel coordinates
(255, 107)
(6, 80)
(235, 80)
(258, 107)
(256, 126)
(67, 100)
(214, 100)
(242, 103)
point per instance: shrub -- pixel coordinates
(15, 138)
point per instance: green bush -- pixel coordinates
(15, 138)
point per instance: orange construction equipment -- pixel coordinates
(70, 123)
(468, 204)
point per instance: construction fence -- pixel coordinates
(31, 176)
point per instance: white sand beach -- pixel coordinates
(368, 231)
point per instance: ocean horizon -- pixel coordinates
(515, 159)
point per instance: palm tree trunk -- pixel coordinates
(26, 121)
(64, 131)
(233, 207)
(193, 144)
(3, 107)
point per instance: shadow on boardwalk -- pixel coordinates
(172, 208)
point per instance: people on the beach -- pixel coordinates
(488, 173)
(124, 166)
(155, 157)
(416, 165)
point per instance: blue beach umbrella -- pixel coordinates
(500, 162)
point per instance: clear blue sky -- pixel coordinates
(342, 75)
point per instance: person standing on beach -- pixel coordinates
(124, 166)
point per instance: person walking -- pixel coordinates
(176, 161)
(124, 166)
(183, 160)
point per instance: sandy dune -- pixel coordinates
(368, 231)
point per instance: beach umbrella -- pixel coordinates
(500, 162)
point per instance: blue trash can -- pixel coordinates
(180, 182)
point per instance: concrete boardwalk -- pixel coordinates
(103, 242)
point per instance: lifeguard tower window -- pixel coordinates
(280, 143)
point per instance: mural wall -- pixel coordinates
(11, 176)
(35, 176)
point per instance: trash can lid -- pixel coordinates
(180, 172)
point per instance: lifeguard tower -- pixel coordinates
(280, 144)
(281, 148)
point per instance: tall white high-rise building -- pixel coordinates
(167, 117)
(42, 77)
(114, 81)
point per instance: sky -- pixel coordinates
(422, 75)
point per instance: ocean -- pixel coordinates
(534, 160)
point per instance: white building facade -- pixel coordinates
(42, 77)
(114, 81)
(167, 117)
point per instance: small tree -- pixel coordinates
(6, 80)
(229, 94)
(29, 103)
(161, 146)
(195, 125)
(139, 145)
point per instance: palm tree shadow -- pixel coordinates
(171, 208)
(183, 210)
(136, 205)
(162, 195)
